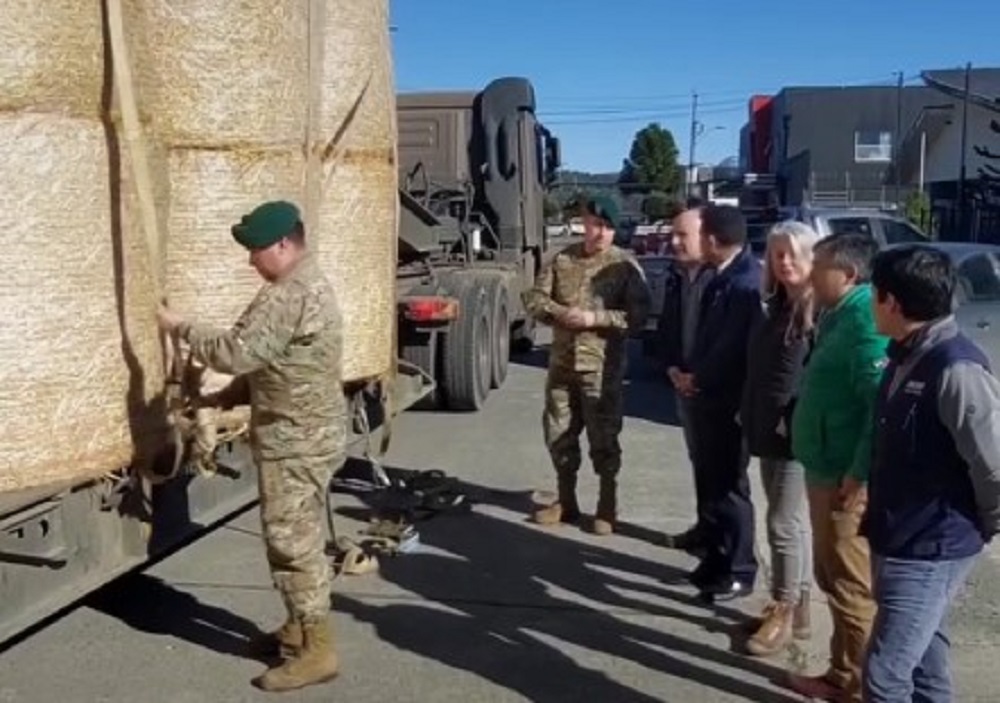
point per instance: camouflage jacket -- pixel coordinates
(610, 284)
(286, 348)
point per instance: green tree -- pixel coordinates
(551, 208)
(652, 162)
(918, 209)
(659, 206)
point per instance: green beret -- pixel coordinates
(267, 224)
(605, 208)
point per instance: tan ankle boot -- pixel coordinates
(555, 514)
(607, 507)
(775, 631)
(565, 509)
(314, 663)
(802, 618)
(286, 641)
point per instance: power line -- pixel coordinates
(577, 101)
(646, 97)
(614, 110)
(647, 117)
(605, 113)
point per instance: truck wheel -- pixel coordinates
(498, 300)
(467, 353)
(423, 352)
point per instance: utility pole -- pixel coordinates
(961, 172)
(691, 146)
(897, 140)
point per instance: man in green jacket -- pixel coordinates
(831, 435)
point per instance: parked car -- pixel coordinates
(655, 267)
(886, 228)
(977, 304)
(557, 229)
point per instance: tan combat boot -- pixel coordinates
(286, 641)
(564, 510)
(607, 507)
(775, 631)
(314, 663)
(801, 618)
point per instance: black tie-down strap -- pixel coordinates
(410, 495)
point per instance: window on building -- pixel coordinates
(872, 146)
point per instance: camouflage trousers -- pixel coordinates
(576, 401)
(292, 495)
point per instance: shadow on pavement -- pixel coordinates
(504, 590)
(537, 358)
(148, 604)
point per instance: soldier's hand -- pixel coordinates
(167, 319)
(576, 319)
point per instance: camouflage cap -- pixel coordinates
(603, 207)
(267, 224)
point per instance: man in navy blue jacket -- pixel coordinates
(934, 487)
(714, 386)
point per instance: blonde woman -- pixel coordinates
(779, 343)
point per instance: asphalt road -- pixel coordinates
(490, 608)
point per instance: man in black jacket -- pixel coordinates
(714, 387)
(682, 291)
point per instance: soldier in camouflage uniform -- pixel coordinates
(285, 351)
(592, 294)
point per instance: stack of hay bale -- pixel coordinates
(240, 101)
(79, 353)
(358, 203)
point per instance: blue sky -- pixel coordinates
(602, 70)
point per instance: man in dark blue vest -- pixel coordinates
(934, 488)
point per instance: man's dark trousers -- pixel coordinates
(723, 489)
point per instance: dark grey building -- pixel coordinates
(833, 145)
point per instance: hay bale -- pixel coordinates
(224, 73)
(357, 217)
(80, 355)
(52, 58)
(208, 275)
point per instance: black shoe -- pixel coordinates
(722, 590)
(703, 576)
(689, 541)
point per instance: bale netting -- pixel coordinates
(225, 72)
(209, 277)
(79, 352)
(358, 200)
(52, 56)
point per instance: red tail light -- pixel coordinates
(430, 309)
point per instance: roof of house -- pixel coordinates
(984, 84)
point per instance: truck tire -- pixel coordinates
(498, 302)
(423, 352)
(467, 363)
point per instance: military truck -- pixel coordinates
(471, 237)
(474, 171)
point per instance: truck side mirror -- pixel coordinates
(553, 157)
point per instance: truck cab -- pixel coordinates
(474, 169)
